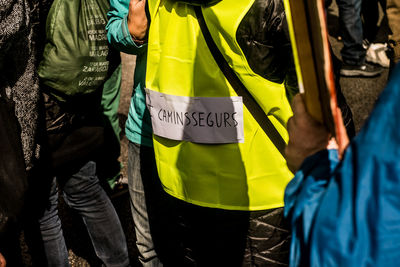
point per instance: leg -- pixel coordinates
(142, 169)
(215, 237)
(370, 14)
(268, 239)
(211, 237)
(83, 193)
(52, 234)
(353, 52)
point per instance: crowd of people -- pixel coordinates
(222, 169)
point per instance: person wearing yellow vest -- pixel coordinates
(225, 175)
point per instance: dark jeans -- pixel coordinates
(83, 193)
(352, 52)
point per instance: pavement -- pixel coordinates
(361, 94)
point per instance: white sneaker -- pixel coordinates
(376, 53)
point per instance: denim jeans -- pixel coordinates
(352, 52)
(145, 193)
(83, 193)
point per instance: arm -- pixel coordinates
(127, 25)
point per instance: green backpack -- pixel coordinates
(77, 59)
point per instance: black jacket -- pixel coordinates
(264, 38)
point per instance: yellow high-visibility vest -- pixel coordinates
(246, 175)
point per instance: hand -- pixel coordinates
(2, 261)
(306, 135)
(137, 20)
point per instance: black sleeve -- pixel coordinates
(264, 38)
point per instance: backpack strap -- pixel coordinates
(240, 89)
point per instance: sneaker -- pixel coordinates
(364, 70)
(376, 53)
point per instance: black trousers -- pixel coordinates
(207, 237)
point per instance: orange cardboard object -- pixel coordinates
(312, 56)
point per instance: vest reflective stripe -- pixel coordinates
(242, 176)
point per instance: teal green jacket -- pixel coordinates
(138, 125)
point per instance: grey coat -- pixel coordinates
(18, 60)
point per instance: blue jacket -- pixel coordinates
(347, 213)
(138, 125)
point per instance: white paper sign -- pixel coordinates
(209, 120)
